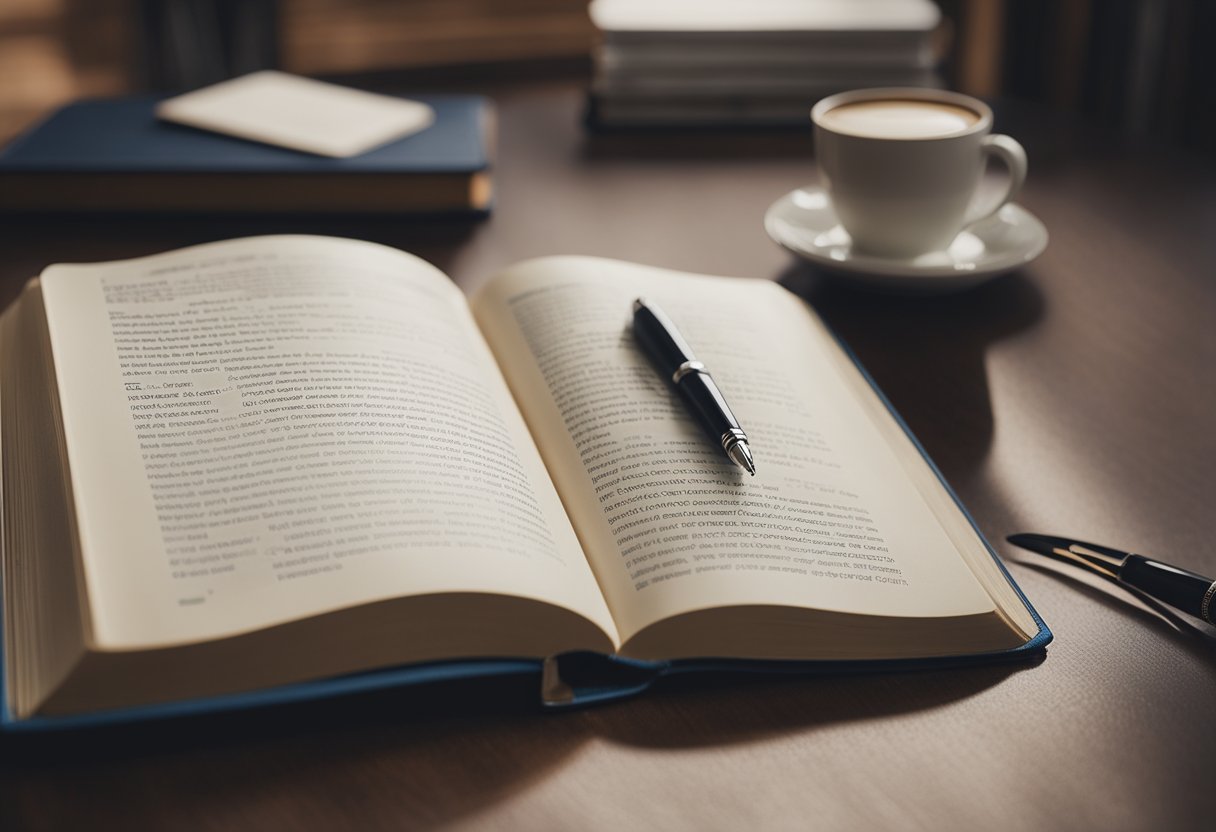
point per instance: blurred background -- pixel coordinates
(1143, 67)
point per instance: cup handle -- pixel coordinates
(1011, 153)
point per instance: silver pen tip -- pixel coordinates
(741, 455)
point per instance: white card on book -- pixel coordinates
(299, 113)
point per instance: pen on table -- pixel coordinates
(673, 358)
(1182, 589)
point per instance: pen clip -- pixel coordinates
(1100, 563)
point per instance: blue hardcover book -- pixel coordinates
(109, 155)
(288, 468)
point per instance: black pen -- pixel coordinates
(673, 358)
(1182, 589)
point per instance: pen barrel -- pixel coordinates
(1182, 589)
(710, 408)
(674, 360)
(661, 340)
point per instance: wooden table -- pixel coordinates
(1074, 397)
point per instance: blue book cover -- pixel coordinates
(58, 164)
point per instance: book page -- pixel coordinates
(267, 429)
(831, 520)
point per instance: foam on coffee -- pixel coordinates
(899, 118)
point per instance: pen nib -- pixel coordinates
(741, 455)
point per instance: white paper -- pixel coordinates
(299, 113)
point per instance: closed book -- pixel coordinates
(771, 22)
(114, 155)
(719, 64)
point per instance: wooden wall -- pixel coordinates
(1145, 67)
(347, 36)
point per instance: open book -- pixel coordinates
(264, 461)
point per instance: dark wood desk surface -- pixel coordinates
(1074, 397)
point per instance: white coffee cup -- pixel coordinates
(903, 165)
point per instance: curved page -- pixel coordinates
(831, 521)
(272, 428)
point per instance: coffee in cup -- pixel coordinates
(902, 166)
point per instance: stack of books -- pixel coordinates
(716, 62)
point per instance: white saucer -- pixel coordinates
(803, 222)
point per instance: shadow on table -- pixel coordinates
(433, 754)
(414, 757)
(462, 745)
(704, 711)
(926, 353)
